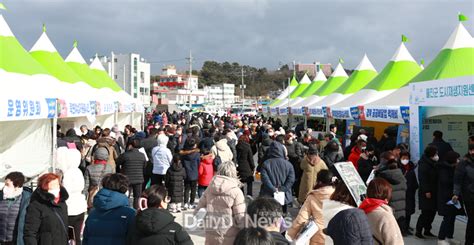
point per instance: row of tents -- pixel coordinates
(40, 90)
(369, 95)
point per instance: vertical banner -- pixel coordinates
(353, 181)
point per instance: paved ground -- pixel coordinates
(460, 228)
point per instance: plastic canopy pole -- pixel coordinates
(55, 139)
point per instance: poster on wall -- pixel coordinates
(403, 134)
(455, 130)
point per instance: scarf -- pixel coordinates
(100, 161)
(370, 204)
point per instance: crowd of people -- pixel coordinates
(123, 187)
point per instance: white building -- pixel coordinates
(177, 89)
(219, 96)
(132, 73)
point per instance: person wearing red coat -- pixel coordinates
(206, 171)
(356, 151)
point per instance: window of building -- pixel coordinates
(115, 77)
(115, 60)
(135, 65)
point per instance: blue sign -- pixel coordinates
(341, 114)
(51, 107)
(405, 111)
(354, 112)
(316, 112)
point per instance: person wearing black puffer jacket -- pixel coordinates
(464, 187)
(262, 150)
(399, 188)
(46, 216)
(245, 164)
(445, 193)
(331, 156)
(427, 194)
(408, 169)
(190, 158)
(156, 225)
(174, 182)
(131, 164)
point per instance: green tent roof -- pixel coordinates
(13, 57)
(100, 73)
(361, 76)
(317, 82)
(456, 59)
(46, 54)
(304, 83)
(293, 83)
(76, 62)
(337, 78)
(397, 73)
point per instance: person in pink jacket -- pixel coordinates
(225, 206)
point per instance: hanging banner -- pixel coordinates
(341, 113)
(405, 111)
(283, 111)
(17, 108)
(297, 111)
(274, 110)
(383, 114)
(316, 112)
(355, 112)
(77, 109)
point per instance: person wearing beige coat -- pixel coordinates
(313, 207)
(311, 165)
(225, 206)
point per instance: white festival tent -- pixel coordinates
(362, 74)
(304, 82)
(288, 90)
(307, 95)
(461, 42)
(399, 70)
(27, 106)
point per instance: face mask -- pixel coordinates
(435, 158)
(405, 161)
(55, 192)
(271, 134)
(363, 148)
(8, 192)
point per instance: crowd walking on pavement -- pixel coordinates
(124, 187)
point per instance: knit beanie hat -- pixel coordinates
(101, 154)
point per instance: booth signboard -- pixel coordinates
(316, 112)
(355, 112)
(452, 92)
(17, 108)
(383, 113)
(274, 110)
(405, 111)
(353, 181)
(341, 113)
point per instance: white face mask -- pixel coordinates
(8, 192)
(363, 148)
(405, 161)
(435, 158)
(55, 192)
(271, 134)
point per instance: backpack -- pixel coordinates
(217, 160)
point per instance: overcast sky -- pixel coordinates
(261, 33)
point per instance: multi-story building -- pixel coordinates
(177, 89)
(219, 96)
(132, 73)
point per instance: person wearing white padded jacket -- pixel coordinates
(68, 161)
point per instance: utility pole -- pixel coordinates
(242, 89)
(190, 62)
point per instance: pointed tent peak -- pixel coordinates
(5, 30)
(75, 56)
(402, 54)
(320, 76)
(422, 66)
(96, 64)
(74, 44)
(460, 38)
(365, 64)
(339, 71)
(43, 44)
(293, 81)
(305, 79)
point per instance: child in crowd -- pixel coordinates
(206, 171)
(175, 184)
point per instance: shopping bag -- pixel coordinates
(280, 197)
